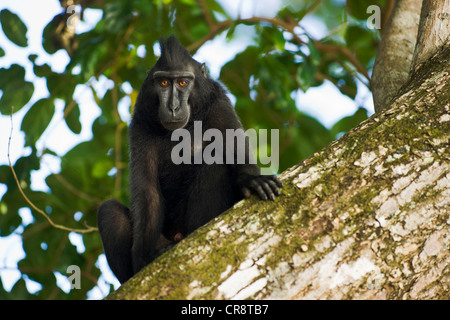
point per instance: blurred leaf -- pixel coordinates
(333, 15)
(2, 52)
(317, 135)
(92, 49)
(361, 41)
(72, 117)
(236, 73)
(348, 123)
(48, 42)
(102, 167)
(37, 120)
(117, 15)
(12, 201)
(305, 74)
(358, 8)
(60, 85)
(214, 5)
(314, 53)
(20, 292)
(357, 37)
(270, 38)
(48, 250)
(10, 81)
(14, 29)
(343, 78)
(13, 198)
(42, 71)
(301, 139)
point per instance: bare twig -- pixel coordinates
(207, 14)
(215, 31)
(32, 205)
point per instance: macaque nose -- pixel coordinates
(174, 107)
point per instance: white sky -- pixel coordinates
(325, 103)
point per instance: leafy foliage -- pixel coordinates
(264, 78)
(13, 28)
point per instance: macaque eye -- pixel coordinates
(164, 83)
(182, 83)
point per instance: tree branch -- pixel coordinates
(288, 26)
(207, 14)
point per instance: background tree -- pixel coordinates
(264, 79)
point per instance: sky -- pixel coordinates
(325, 103)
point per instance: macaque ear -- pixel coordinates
(204, 70)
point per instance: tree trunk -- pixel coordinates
(406, 44)
(395, 52)
(365, 218)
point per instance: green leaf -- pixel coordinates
(13, 199)
(19, 291)
(117, 15)
(358, 8)
(314, 132)
(236, 73)
(216, 7)
(231, 30)
(32, 57)
(348, 123)
(16, 91)
(73, 117)
(270, 38)
(332, 14)
(42, 71)
(361, 41)
(14, 29)
(2, 52)
(305, 74)
(47, 39)
(189, 2)
(37, 120)
(314, 53)
(102, 167)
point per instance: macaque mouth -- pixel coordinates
(174, 123)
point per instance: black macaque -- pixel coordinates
(169, 201)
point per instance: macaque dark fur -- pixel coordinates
(170, 201)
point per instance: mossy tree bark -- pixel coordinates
(367, 217)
